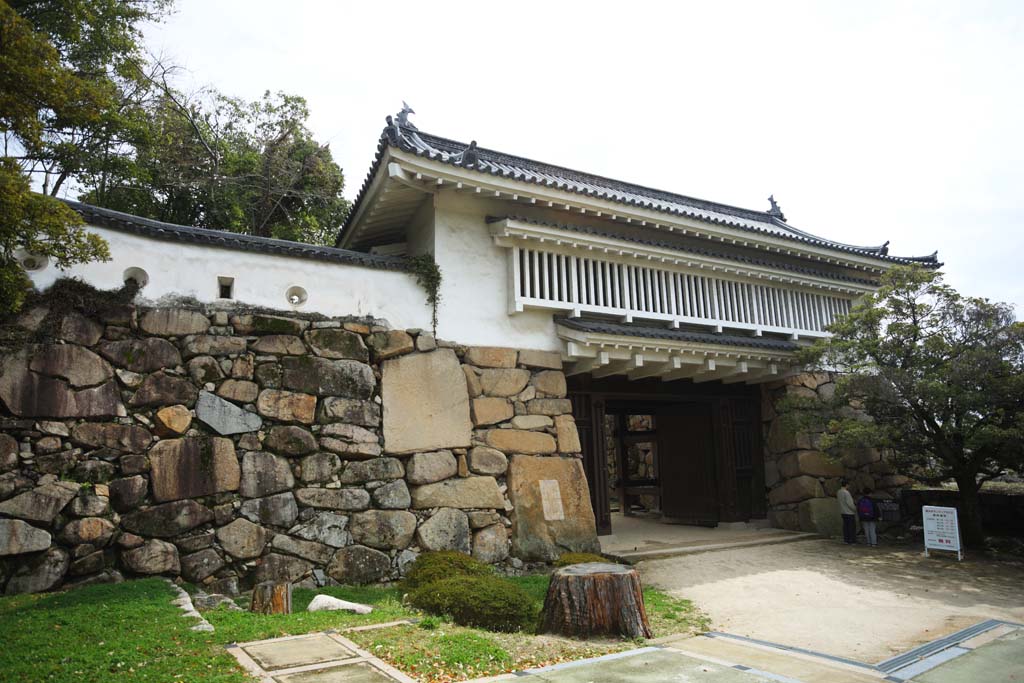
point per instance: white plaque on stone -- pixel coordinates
(551, 499)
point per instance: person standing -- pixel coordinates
(867, 512)
(848, 511)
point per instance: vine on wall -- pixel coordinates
(428, 276)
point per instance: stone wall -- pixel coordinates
(803, 480)
(233, 446)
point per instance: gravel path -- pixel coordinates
(864, 603)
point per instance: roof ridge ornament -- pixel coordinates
(775, 211)
(403, 117)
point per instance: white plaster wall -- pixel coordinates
(175, 269)
(474, 288)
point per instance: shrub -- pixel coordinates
(488, 602)
(566, 559)
(433, 566)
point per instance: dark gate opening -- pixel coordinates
(674, 451)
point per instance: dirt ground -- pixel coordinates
(862, 603)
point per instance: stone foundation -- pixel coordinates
(232, 447)
(802, 479)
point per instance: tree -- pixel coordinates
(98, 45)
(941, 377)
(220, 162)
(33, 84)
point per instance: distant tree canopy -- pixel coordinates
(941, 376)
(224, 163)
(84, 109)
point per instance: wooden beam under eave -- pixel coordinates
(585, 365)
(656, 369)
(722, 371)
(618, 367)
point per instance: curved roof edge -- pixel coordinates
(410, 139)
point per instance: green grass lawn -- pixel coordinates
(131, 632)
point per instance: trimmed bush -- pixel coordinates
(443, 564)
(488, 602)
(565, 559)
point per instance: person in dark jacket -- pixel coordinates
(867, 511)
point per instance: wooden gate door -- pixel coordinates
(686, 448)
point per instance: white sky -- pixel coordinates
(868, 120)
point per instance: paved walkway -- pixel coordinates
(640, 538)
(991, 651)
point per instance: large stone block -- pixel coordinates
(568, 436)
(426, 468)
(212, 345)
(278, 567)
(551, 508)
(812, 463)
(267, 324)
(78, 365)
(821, 516)
(795, 490)
(279, 345)
(487, 461)
(39, 574)
(491, 410)
(357, 564)
(551, 360)
(198, 566)
(549, 406)
(473, 492)
(238, 390)
(18, 537)
(390, 344)
(351, 411)
(41, 504)
(30, 394)
(426, 404)
(307, 550)
(784, 437)
(95, 531)
(131, 438)
(225, 417)
(263, 474)
(383, 529)
(173, 322)
(323, 377)
(320, 467)
(141, 355)
(128, 493)
(392, 496)
(447, 529)
(334, 499)
(491, 357)
(193, 467)
(169, 519)
(77, 329)
(290, 440)
(153, 557)
(160, 389)
(277, 510)
(503, 382)
(286, 406)
(490, 544)
(519, 441)
(242, 539)
(378, 469)
(327, 528)
(338, 344)
(551, 383)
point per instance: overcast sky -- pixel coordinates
(869, 121)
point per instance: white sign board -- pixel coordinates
(941, 530)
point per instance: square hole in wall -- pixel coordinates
(225, 287)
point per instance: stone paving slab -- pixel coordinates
(358, 672)
(288, 653)
(997, 661)
(648, 665)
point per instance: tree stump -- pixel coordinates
(271, 597)
(595, 599)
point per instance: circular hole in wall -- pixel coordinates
(136, 275)
(296, 295)
(32, 262)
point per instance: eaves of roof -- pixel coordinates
(521, 169)
(124, 222)
(638, 330)
(689, 250)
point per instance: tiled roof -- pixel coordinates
(646, 332)
(496, 163)
(116, 220)
(686, 249)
